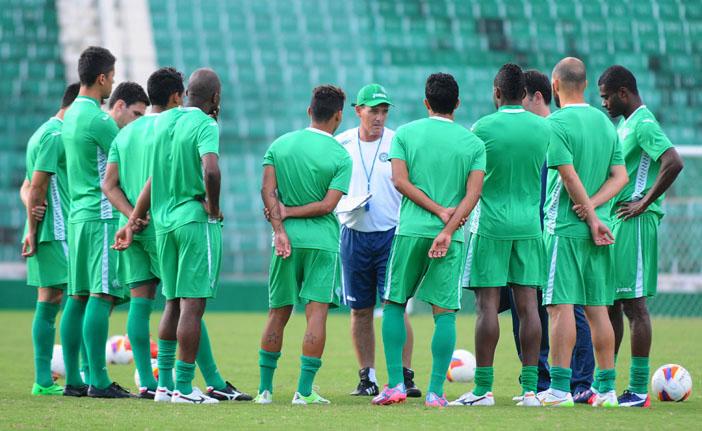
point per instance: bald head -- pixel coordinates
(204, 89)
(570, 72)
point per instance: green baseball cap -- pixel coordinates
(372, 95)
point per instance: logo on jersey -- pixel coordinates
(383, 157)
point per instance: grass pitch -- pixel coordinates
(235, 340)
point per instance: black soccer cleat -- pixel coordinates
(366, 387)
(412, 389)
(112, 391)
(75, 391)
(146, 394)
(229, 393)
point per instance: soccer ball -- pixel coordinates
(118, 350)
(462, 367)
(671, 382)
(58, 368)
(154, 349)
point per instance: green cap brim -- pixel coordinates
(375, 102)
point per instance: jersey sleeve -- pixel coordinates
(652, 139)
(49, 152)
(478, 163)
(342, 176)
(103, 130)
(559, 151)
(618, 154)
(208, 138)
(113, 155)
(269, 157)
(397, 146)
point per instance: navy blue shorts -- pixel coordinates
(364, 256)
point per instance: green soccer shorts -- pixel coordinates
(579, 272)
(498, 263)
(190, 258)
(411, 273)
(306, 275)
(49, 265)
(138, 263)
(92, 263)
(635, 256)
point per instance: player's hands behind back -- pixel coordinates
(601, 235)
(440, 246)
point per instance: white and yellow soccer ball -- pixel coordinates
(118, 350)
(58, 368)
(671, 382)
(462, 367)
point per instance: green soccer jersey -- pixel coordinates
(584, 137)
(45, 153)
(440, 155)
(515, 150)
(308, 163)
(643, 143)
(181, 137)
(87, 135)
(131, 151)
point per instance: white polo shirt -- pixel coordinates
(384, 207)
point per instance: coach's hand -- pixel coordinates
(446, 214)
(581, 211)
(601, 235)
(440, 246)
(39, 211)
(123, 238)
(282, 245)
(29, 246)
(627, 210)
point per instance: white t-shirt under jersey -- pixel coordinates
(384, 206)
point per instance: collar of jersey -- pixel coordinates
(56, 118)
(436, 117)
(511, 109)
(87, 99)
(321, 132)
(626, 120)
(576, 105)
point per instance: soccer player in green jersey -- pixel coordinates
(427, 254)
(653, 164)
(45, 238)
(127, 103)
(183, 197)
(584, 159)
(506, 248)
(305, 174)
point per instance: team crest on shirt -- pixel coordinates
(345, 141)
(383, 157)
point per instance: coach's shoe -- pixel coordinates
(470, 399)
(366, 387)
(631, 399)
(54, 389)
(146, 393)
(163, 395)
(411, 389)
(434, 400)
(112, 391)
(229, 393)
(583, 397)
(264, 397)
(391, 395)
(75, 391)
(312, 398)
(529, 400)
(194, 397)
(550, 399)
(606, 399)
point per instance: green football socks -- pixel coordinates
(138, 332)
(95, 328)
(308, 369)
(206, 362)
(442, 345)
(638, 375)
(43, 334)
(166, 363)
(185, 373)
(394, 336)
(484, 378)
(606, 379)
(84, 363)
(595, 380)
(72, 339)
(560, 378)
(530, 378)
(267, 362)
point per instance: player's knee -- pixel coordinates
(636, 309)
(362, 314)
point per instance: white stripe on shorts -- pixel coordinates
(105, 261)
(639, 261)
(465, 279)
(548, 295)
(388, 277)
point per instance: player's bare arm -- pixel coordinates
(601, 235)
(269, 195)
(39, 210)
(36, 197)
(313, 209)
(213, 182)
(474, 187)
(671, 166)
(618, 178)
(112, 190)
(400, 179)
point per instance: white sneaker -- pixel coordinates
(163, 395)
(264, 397)
(529, 400)
(470, 399)
(194, 397)
(606, 399)
(313, 398)
(550, 399)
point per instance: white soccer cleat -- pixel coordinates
(606, 399)
(264, 397)
(163, 395)
(470, 399)
(529, 400)
(550, 399)
(194, 397)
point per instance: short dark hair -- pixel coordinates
(130, 92)
(70, 94)
(616, 77)
(536, 81)
(510, 81)
(441, 91)
(93, 62)
(326, 101)
(162, 84)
